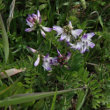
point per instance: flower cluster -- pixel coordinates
(68, 34)
(33, 21)
(48, 61)
(84, 44)
(74, 38)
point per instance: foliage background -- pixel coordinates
(90, 71)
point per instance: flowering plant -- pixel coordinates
(67, 33)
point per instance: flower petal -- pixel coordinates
(84, 49)
(68, 56)
(84, 37)
(47, 29)
(63, 36)
(47, 66)
(53, 61)
(39, 16)
(76, 32)
(70, 25)
(73, 46)
(29, 18)
(78, 46)
(67, 38)
(37, 61)
(58, 29)
(29, 23)
(35, 16)
(59, 54)
(91, 44)
(32, 50)
(29, 29)
(43, 33)
(46, 58)
(90, 35)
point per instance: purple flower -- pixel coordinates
(34, 20)
(31, 21)
(63, 59)
(86, 39)
(84, 44)
(68, 33)
(48, 62)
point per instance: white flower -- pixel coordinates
(67, 36)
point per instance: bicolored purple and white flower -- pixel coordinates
(84, 44)
(35, 19)
(86, 38)
(67, 33)
(48, 61)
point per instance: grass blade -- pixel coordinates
(22, 98)
(81, 99)
(5, 39)
(53, 102)
(11, 14)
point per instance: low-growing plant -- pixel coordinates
(60, 50)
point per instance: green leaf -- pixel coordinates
(81, 99)
(22, 98)
(43, 6)
(100, 21)
(5, 39)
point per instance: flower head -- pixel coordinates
(34, 20)
(48, 61)
(84, 44)
(67, 33)
(63, 59)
